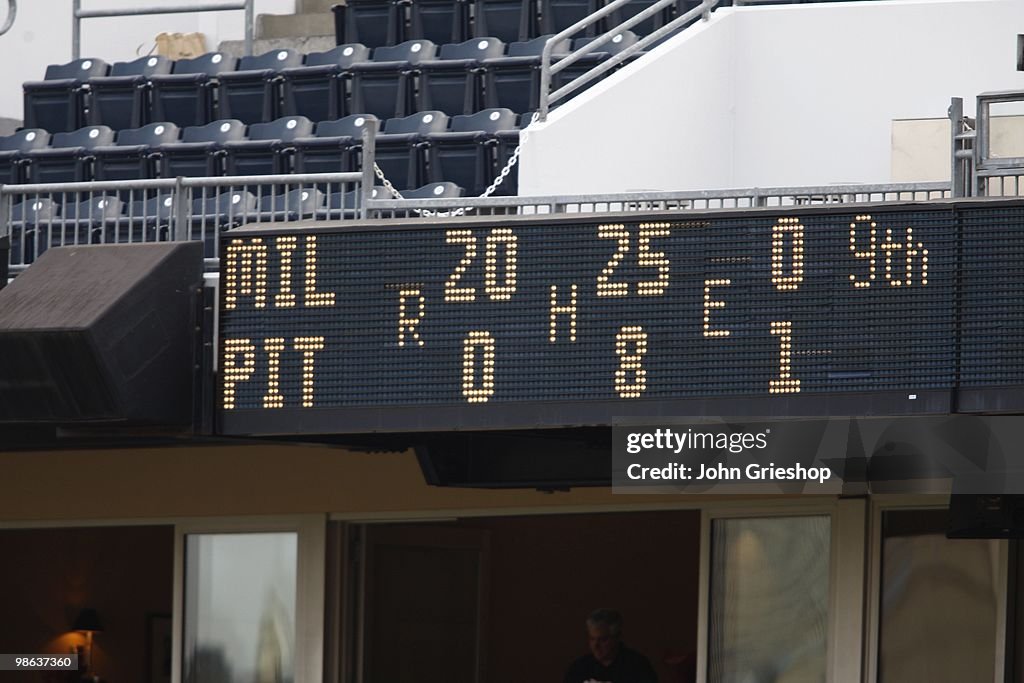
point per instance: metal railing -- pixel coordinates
(549, 69)
(78, 14)
(37, 217)
(747, 198)
(976, 170)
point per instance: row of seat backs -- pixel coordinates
(377, 23)
(285, 82)
(223, 148)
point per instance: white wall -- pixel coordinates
(776, 95)
(42, 35)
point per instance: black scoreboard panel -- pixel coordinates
(561, 321)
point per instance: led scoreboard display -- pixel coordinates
(552, 321)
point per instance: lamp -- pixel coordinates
(88, 622)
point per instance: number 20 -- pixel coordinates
(645, 258)
(496, 291)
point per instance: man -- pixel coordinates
(609, 660)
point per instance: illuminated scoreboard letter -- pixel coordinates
(313, 297)
(785, 384)
(630, 346)
(273, 398)
(452, 293)
(308, 346)
(286, 246)
(710, 304)
(915, 250)
(245, 272)
(567, 310)
(866, 254)
(407, 324)
(478, 391)
(239, 363)
(793, 228)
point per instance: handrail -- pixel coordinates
(547, 69)
(78, 14)
(12, 13)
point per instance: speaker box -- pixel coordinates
(101, 334)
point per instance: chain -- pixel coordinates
(498, 180)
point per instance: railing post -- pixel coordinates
(369, 160)
(76, 30)
(182, 208)
(956, 128)
(248, 27)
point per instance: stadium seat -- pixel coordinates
(185, 96)
(464, 154)
(25, 220)
(454, 83)
(399, 151)
(121, 100)
(558, 15)
(12, 149)
(335, 148)
(74, 222)
(616, 45)
(513, 82)
(646, 26)
(68, 158)
(250, 94)
(212, 213)
(385, 86)
(267, 147)
(57, 103)
(374, 23)
(434, 191)
(439, 21)
(144, 220)
(132, 155)
(201, 150)
(345, 204)
(507, 20)
(293, 205)
(318, 89)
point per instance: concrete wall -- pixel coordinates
(41, 35)
(775, 95)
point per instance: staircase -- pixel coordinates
(310, 29)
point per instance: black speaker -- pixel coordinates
(101, 334)
(986, 516)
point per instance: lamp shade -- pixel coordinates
(87, 620)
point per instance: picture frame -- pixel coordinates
(158, 648)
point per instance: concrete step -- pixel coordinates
(294, 25)
(306, 44)
(314, 6)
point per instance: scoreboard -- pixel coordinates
(562, 320)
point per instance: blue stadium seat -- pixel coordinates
(513, 82)
(27, 217)
(439, 21)
(464, 154)
(399, 151)
(507, 20)
(616, 45)
(385, 87)
(144, 220)
(213, 213)
(454, 83)
(77, 222)
(374, 23)
(250, 94)
(267, 148)
(185, 96)
(200, 151)
(57, 103)
(13, 148)
(132, 155)
(318, 89)
(558, 15)
(293, 205)
(335, 148)
(68, 159)
(121, 100)
(442, 190)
